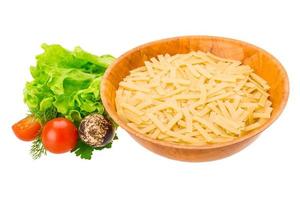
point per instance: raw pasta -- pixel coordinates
(195, 98)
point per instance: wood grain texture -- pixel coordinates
(261, 61)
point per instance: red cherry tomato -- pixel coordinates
(27, 129)
(59, 135)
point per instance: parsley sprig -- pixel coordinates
(85, 151)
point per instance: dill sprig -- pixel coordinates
(37, 148)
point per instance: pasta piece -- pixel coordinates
(201, 112)
(209, 125)
(144, 104)
(222, 77)
(203, 132)
(132, 86)
(203, 71)
(149, 68)
(157, 122)
(225, 123)
(155, 134)
(173, 121)
(252, 126)
(132, 108)
(222, 59)
(132, 117)
(193, 71)
(260, 81)
(188, 119)
(223, 109)
(230, 109)
(222, 96)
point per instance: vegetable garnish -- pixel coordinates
(67, 80)
(66, 84)
(37, 148)
(59, 135)
(27, 129)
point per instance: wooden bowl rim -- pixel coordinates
(141, 136)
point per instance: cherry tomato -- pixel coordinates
(59, 135)
(27, 129)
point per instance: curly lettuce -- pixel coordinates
(68, 81)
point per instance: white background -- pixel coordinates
(267, 169)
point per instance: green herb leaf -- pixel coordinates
(85, 151)
(37, 149)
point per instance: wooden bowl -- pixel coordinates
(263, 63)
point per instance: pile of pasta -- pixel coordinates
(195, 98)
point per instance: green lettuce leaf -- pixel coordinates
(67, 81)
